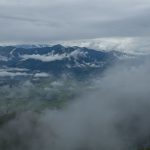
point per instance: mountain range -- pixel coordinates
(39, 61)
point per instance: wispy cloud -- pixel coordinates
(53, 57)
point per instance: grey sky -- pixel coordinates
(48, 20)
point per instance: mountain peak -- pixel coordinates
(58, 46)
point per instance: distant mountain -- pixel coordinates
(42, 61)
(30, 46)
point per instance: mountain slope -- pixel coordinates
(55, 60)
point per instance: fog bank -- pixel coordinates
(113, 115)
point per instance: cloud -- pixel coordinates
(44, 58)
(127, 45)
(113, 114)
(53, 57)
(42, 74)
(12, 74)
(45, 21)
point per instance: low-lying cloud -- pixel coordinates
(53, 57)
(114, 114)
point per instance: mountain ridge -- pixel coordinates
(54, 60)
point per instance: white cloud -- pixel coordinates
(12, 74)
(42, 74)
(53, 57)
(128, 45)
(44, 58)
(14, 69)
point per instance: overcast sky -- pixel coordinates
(27, 21)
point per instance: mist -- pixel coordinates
(113, 114)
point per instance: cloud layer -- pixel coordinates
(113, 114)
(43, 20)
(127, 45)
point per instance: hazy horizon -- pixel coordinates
(41, 21)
